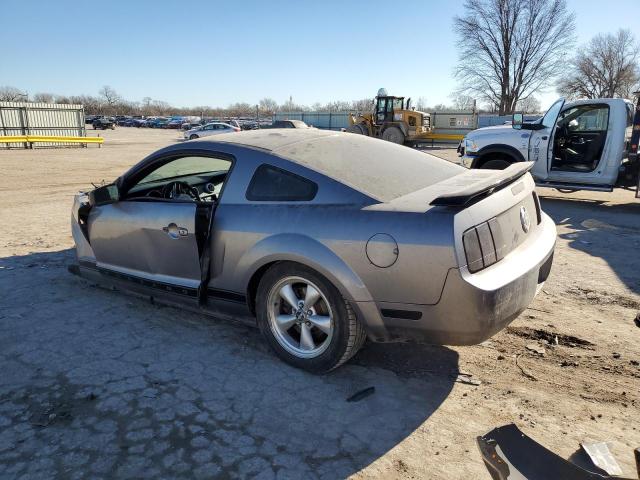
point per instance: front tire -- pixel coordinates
(393, 135)
(305, 319)
(193, 137)
(358, 129)
(495, 164)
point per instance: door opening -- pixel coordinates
(580, 138)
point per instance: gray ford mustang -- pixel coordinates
(321, 238)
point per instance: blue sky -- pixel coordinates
(214, 53)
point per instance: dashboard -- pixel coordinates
(201, 187)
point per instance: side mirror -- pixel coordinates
(517, 120)
(104, 195)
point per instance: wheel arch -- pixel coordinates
(305, 251)
(506, 152)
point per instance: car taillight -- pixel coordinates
(482, 245)
(236, 129)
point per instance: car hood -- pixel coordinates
(497, 132)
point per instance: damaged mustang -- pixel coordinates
(322, 239)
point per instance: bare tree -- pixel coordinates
(511, 48)
(529, 105)
(43, 97)
(421, 104)
(111, 98)
(462, 102)
(606, 67)
(268, 105)
(363, 105)
(12, 94)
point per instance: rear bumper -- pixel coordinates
(473, 307)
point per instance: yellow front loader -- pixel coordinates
(393, 120)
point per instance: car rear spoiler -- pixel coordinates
(484, 187)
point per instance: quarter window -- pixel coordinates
(273, 184)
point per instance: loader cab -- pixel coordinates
(385, 107)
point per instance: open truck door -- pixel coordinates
(634, 144)
(541, 139)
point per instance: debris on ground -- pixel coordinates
(50, 415)
(508, 454)
(362, 394)
(601, 457)
(467, 380)
(536, 348)
(549, 337)
(525, 372)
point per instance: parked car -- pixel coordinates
(122, 121)
(174, 124)
(286, 231)
(580, 145)
(158, 122)
(88, 119)
(287, 124)
(215, 128)
(190, 125)
(103, 123)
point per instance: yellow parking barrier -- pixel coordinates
(51, 139)
(443, 136)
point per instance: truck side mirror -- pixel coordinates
(517, 120)
(104, 195)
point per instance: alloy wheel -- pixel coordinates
(300, 317)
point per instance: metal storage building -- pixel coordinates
(41, 119)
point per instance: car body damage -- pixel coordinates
(418, 248)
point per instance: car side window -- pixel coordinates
(273, 184)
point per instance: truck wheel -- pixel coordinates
(393, 135)
(495, 164)
(358, 129)
(305, 319)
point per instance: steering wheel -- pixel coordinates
(174, 189)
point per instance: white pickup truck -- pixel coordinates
(580, 145)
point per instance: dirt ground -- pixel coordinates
(158, 386)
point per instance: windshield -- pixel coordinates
(186, 166)
(549, 119)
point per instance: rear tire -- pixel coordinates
(393, 135)
(320, 340)
(495, 164)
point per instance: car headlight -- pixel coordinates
(470, 146)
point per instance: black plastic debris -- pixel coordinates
(510, 454)
(362, 394)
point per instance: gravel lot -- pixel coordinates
(96, 384)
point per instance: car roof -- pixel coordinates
(275, 138)
(380, 169)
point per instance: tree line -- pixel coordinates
(109, 102)
(512, 49)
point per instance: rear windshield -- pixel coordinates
(379, 169)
